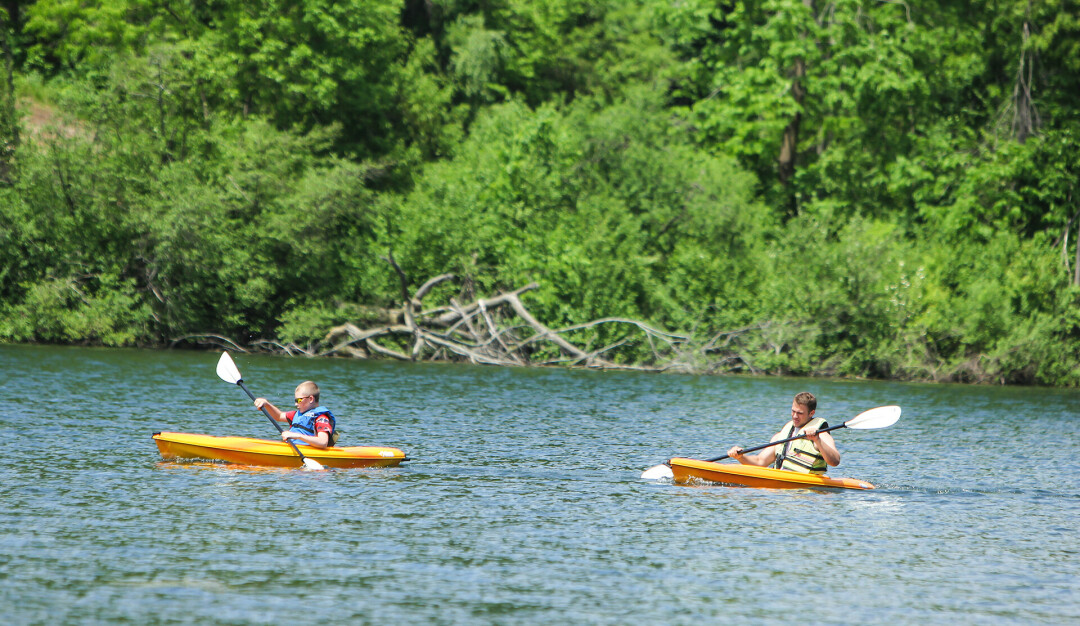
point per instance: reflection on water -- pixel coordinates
(522, 503)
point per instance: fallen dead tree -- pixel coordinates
(495, 331)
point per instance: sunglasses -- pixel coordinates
(299, 400)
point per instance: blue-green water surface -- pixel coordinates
(523, 502)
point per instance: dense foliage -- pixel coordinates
(855, 188)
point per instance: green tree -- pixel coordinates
(604, 206)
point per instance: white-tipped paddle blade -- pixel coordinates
(657, 472)
(881, 417)
(226, 369)
(313, 465)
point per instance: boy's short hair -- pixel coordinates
(308, 388)
(806, 399)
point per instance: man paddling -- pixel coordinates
(810, 455)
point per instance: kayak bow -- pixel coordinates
(686, 470)
(249, 451)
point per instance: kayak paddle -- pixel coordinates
(227, 371)
(880, 417)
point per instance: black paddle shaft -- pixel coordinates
(272, 421)
(775, 443)
(265, 412)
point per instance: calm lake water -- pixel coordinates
(523, 503)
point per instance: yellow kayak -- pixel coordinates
(249, 451)
(685, 470)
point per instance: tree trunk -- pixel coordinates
(1025, 117)
(1076, 264)
(790, 141)
(789, 144)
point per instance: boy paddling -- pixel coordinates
(310, 424)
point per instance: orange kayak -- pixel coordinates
(686, 470)
(249, 451)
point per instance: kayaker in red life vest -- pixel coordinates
(811, 455)
(310, 423)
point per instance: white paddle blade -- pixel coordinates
(657, 472)
(881, 417)
(313, 465)
(226, 369)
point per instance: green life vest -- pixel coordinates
(801, 455)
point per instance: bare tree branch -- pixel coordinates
(216, 340)
(426, 287)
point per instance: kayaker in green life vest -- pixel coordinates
(310, 423)
(811, 455)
